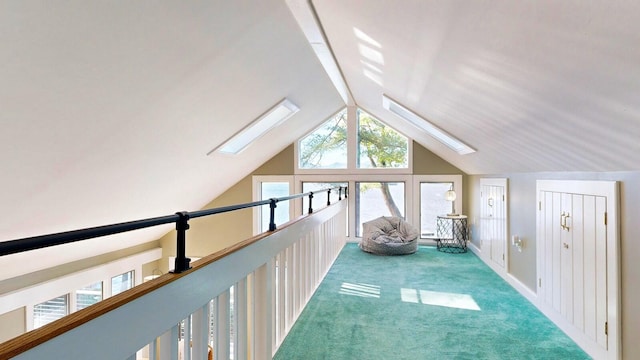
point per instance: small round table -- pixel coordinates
(452, 233)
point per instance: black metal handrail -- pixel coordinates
(181, 219)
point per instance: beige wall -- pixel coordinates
(427, 163)
(13, 324)
(522, 221)
(213, 233)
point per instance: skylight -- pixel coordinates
(269, 120)
(439, 134)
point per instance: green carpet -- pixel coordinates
(380, 307)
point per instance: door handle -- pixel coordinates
(563, 221)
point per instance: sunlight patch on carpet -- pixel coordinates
(437, 298)
(362, 290)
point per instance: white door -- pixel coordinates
(577, 263)
(493, 226)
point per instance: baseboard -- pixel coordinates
(474, 249)
(510, 279)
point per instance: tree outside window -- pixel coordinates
(379, 147)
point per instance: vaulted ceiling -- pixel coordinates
(109, 109)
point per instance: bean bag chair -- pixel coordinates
(389, 235)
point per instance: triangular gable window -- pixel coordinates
(326, 147)
(378, 145)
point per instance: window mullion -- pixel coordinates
(352, 137)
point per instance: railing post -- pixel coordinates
(310, 201)
(346, 191)
(182, 261)
(272, 216)
(328, 197)
(339, 193)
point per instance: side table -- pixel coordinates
(452, 233)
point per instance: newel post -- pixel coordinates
(182, 261)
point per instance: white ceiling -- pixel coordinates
(533, 85)
(108, 109)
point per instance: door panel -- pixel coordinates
(566, 256)
(498, 239)
(590, 327)
(578, 262)
(577, 229)
(556, 246)
(547, 246)
(493, 225)
(601, 270)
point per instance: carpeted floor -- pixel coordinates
(428, 305)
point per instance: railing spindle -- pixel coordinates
(272, 215)
(182, 261)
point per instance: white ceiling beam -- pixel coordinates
(305, 14)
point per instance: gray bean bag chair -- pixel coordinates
(389, 235)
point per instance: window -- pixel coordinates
(355, 148)
(430, 194)
(50, 310)
(380, 146)
(326, 147)
(377, 146)
(320, 198)
(88, 295)
(432, 204)
(121, 283)
(375, 199)
(274, 190)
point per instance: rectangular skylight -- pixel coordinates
(267, 121)
(439, 134)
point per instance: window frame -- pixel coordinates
(456, 179)
(356, 153)
(351, 180)
(257, 181)
(352, 151)
(67, 304)
(70, 283)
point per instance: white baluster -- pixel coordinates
(169, 344)
(222, 326)
(200, 336)
(240, 320)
